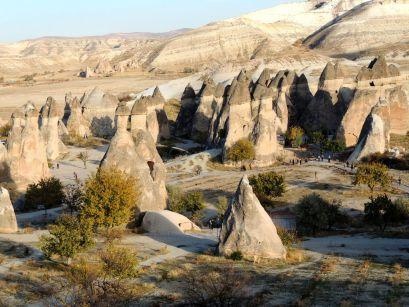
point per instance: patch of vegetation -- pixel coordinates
(382, 211)
(189, 204)
(221, 207)
(79, 141)
(294, 136)
(69, 236)
(4, 130)
(288, 237)
(397, 140)
(333, 145)
(240, 151)
(236, 256)
(315, 213)
(373, 175)
(388, 160)
(110, 198)
(119, 262)
(268, 186)
(48, 192)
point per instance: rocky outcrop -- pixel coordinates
(248, 228)
(98, 108)
(76, 123)
(26, 151)
(8, 222)
(367, 95)
(167, 223)
(103, 67)
(50, 117)
(130, 155)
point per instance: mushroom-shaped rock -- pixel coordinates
(8, 222)
(167, 223)
(248, 228)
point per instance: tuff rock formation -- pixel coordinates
(375, 83)
(50, 118)
(98, 109)
(184, 121)
(137, 157)
(76, 123)
(148, 114)
(8, 222)
(248, 228)
(26, 151)
(167, 223)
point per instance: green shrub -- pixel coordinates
(48, 192)
(401, 163)
(4, 130)
(119, 262)
(373, 175)
(110, 199)
(268, 185)
(317, 137)
(240, 151)
(236, 256)
(294, 136)
(74, 197)
(333, 145)
(189, 204)
(221, 207)
(314, 213)
(382, 211)
(68, 236)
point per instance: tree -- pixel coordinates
(295, 136)
(83, 156)
(48, 192)
(74, 196)
(240, 151)
(110, 198)
(68, 236)
(314, 213)
(221, 207)
(382, 211)
(333, 145)
(373, 175)
(268, 185)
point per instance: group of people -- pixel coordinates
(298, 161)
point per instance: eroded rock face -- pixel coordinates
(138, 160)
(76, 123)
(50, 117)
(98, 108)
(26, 151)
(248, 228)
(8, 222)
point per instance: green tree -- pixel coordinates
(333, 145)
(110, 198)
(221, 207)
(240, 151)
(74, 197)
(83, 156)
(373, 175)
(48, 192)
(268, 185)
(68, 236)
(315, 213)
(295, 136)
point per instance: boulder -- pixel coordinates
(8, 222)
(167, 223)
(248, 228)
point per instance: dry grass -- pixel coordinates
(399, 141)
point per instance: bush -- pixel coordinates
(68, 236)
(240, 151)
(110, 198)
(48, 192)
(391, 162)
(294, 136)
(119, 262)
(382, 211)
(4, 130)
(74, 197)
(315, 213)
(236, 256)
(268, 185)
(317, 137)
(333, 145)
(288, 237)
(373, 175)
(189, 204)
(221, 207)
